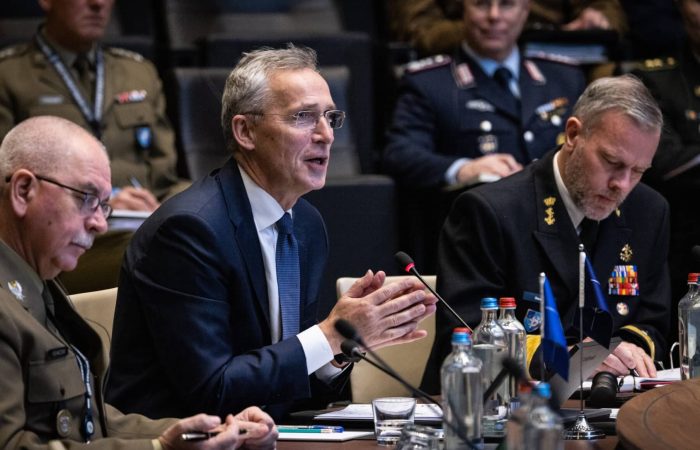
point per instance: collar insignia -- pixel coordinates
(549, 203)
(16, 289)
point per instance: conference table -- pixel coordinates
(608, 443)
(664, 417)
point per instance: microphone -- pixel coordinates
(351, 349)
(348, 331)
(408, 266)
(510, 367)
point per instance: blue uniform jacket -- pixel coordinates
(448, 108)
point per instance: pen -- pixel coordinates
(309, 429)
(193, 436)
(135, 182)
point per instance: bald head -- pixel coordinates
(45, 144)
(51, 172)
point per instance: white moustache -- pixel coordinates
(85, 241)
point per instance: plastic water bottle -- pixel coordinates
(516, 339)
(543, 427)
(490, 346)
(688, 323)
(462, 394)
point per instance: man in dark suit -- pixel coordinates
(499, 237)
(206, 315)
(675, 83)
(481, 114)
(53, 202)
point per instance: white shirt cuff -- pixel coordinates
(451, 174)
(317, 350)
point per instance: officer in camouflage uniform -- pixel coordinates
(50, 359)
(113, 93)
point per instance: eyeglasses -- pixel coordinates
(309, 119)
(90, 201)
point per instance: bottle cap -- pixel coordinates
(543, 390)
(506, 302)
(461, 336)
(489, 303)
(693, 277)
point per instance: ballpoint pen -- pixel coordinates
(135, 182)
(204, 435)
(309, 429)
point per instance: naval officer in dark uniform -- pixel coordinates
(479, 115)
(675, 83)
(499, 237)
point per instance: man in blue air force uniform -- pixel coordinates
(483, 113)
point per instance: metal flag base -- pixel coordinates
(582, 431)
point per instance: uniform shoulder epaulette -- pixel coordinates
(14, 50)
(430, 62)
(124, 53)
(659, 64)
(553, 57)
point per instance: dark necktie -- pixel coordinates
(287, 261)
(589, 235)
(503, 76)
(82, 67)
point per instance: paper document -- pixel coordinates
(331, 437)
(363, 411)
(630, 383)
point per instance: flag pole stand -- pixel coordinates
(581, 430)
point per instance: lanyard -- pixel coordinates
(88, 424)
(92, 116)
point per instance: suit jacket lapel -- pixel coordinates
(555, 233)
(241, 217)
(533, 92)
(613, 234)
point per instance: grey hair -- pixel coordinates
(33, 145)
(246, 88)
(625, 94)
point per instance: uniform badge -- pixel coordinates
(626, 253)
(533, 320)
(534, 72)
(16, 289)
(63, 420)
(463, 75)
(624, 281)
(623, 309)
(617, 212)
(561, 138)
(549, 217)
(51, 100)
(480, 105)
(488, 143)
(143, 136)
(134, 96)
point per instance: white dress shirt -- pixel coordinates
(266, 213)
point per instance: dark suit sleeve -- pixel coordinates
(649, 324)
(411, 155)
(192, 297)
(471, 265)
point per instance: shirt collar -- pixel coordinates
(489, 66)
(68, 56)
(575, 214)
(266, 210)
